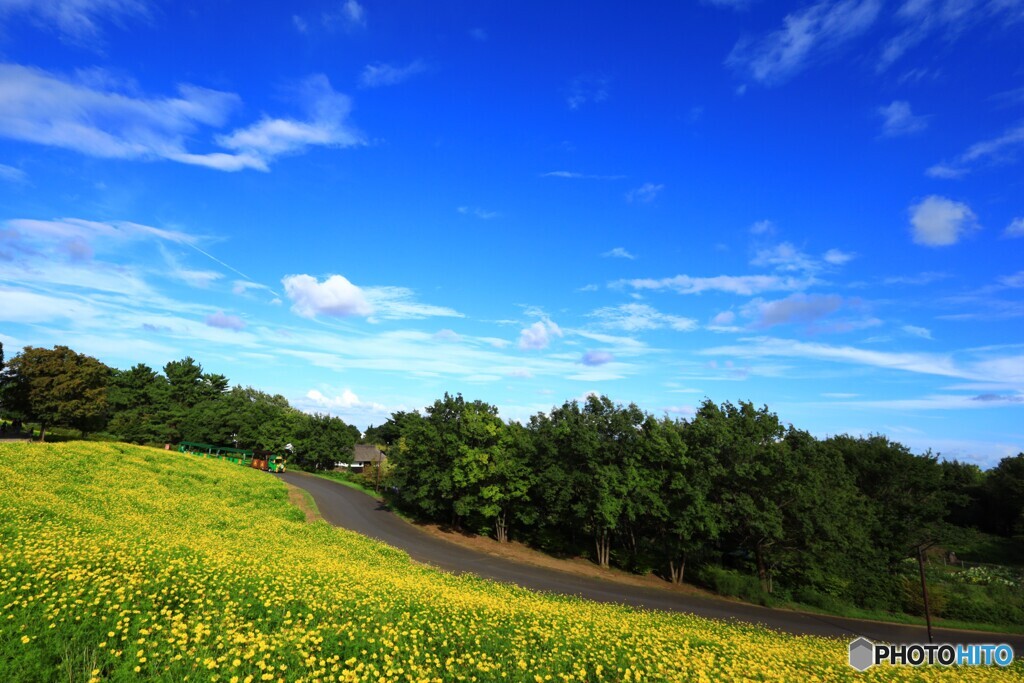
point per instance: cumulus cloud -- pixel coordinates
(618, 252)
(595, 358)
(335, 296)
(538, 335)
(638, 317)
(1015, 228)
(812, 33)
(897, 120)
(381, 74)
(939, 222)
(645, 194)
(225, 321)
(764, 227)
(346, 400)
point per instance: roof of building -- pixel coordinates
(367, 453)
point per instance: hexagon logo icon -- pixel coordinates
(862, 654)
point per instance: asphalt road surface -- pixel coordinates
(346, 507)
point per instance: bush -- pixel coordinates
(809, 596)
(734, 584)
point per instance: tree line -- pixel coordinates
(732, 487)
(59, 387)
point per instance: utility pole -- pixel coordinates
(924, 585)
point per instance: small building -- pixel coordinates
(364, 456)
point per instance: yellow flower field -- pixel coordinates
(124, 563)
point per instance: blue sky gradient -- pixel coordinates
(362, 205)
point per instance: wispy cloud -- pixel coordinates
(399, 303)
(482, 214)
(915, 331)
(580, 176)
(12, 174)
(939, 222)
(745, 285)
(921, 19)
(1000, 150)
(618, 252)
(270, 137)
(764, 227)
(814, 33)
(898, 120)
(785, 258)
(348, 15)
(587, 89)
(639, 317)
(645, 194)
(381, 74)
(103, 117)
(797, 308)
(1015, 228)
(78, 21)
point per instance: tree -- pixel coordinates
(58, 387)
(1005, 488)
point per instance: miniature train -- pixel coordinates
(260, 460)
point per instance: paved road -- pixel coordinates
(346, 507)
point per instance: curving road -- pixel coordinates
(346, 507)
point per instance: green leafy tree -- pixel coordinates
(58, 387)
(1005, 489)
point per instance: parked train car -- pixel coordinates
(260, 460)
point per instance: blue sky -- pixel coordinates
(362, 205)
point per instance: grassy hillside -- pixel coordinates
(123, 563)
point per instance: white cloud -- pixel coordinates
(744, 285)
(76, 20)
(579, 176)
(399, 303)
(786, 258)
(1001, 150)
(482, 214)
(344, 401)
(335, 296)
(1014, 281)
(940, 222)
(723, 319)
(897, 120)
(538, 335)
(380, 74)
(97, 115)
(618, 252)
(587, 90)
(596, 358)
(810, 33)
(836, 257)
(764, 227)
(915, 331)
(797, 308)
(638, 317)
(645, 194)
(12, 174)
(1015, 228)
(272, 137)
(225, 321)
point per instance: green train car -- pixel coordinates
(260, 460)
